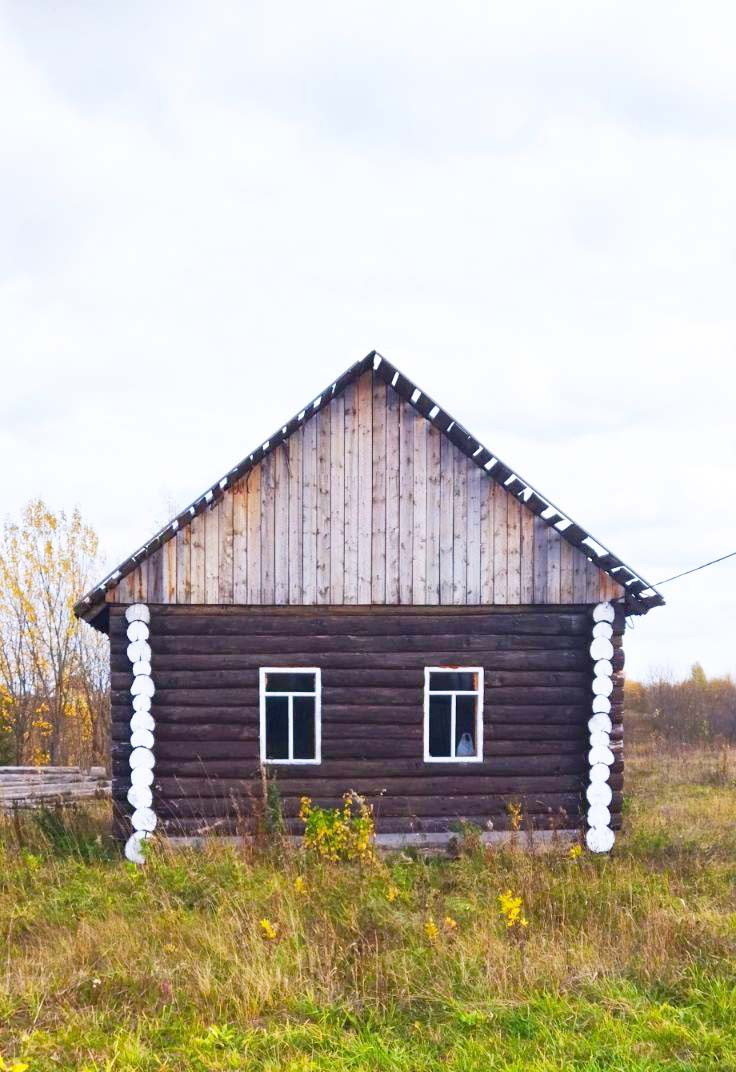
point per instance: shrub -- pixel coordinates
(345, 833)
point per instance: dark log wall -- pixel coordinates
(537, 702)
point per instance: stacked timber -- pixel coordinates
(536, 707)
(28, 787)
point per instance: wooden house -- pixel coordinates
(370, 601)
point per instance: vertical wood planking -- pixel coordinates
(514, 509)
(406, 502)
(225, 531)
(434, 447)
(211, 555)
(268, 549)
(592, 582)
(240, 543)
(365, 486)
(337, 500)
(610, 589)
(309, 512)
(473, 584)
(169, 553)
(125, 591)
(367, 502)
(253, 489)
(540, 561)
(155, 577)
(526, 585)
(459, 526)
(351, 494)
(393, 456)
(184, 565)
(378, 546)
(579, 589)
(323, 420)
(554, 554)
(419, 523)
(486, 539)
(140, 581)
(281, 524)
(295, 446)
(197, 560)
(500, 544)
(566, 559)
(447, 504)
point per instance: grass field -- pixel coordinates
(626, 963)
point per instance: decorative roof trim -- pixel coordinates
(640, 595)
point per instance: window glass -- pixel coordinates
(454, 680)
(440, 714)
(465, 725)
(290, 715)
(289, 682)
(277, 727)
(303, 715)
(453, 706)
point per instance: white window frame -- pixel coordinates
(317, 694)
(478, 693)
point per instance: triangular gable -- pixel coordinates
(372, 494)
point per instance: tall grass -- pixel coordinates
(627, 962)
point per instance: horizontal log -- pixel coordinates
(405, 688)
(383, 807)
(393, 740)
(536, 622)
(279, 647)
(552, 695)
(361, 668)
(234, 769)
(495, 713)
(396, 774)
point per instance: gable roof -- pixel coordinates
(640, 596)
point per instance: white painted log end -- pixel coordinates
(600, 839)
(134, 846)
(604, 612)
(144, 819)
(138, 612)
(142, 757)
(137, 631)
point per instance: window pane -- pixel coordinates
(453, 679)
(439, 725)
(465, 742)
(290, 682)
(304, 743)
(277, 727)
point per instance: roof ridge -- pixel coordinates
(640, 595)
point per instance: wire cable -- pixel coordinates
(696, 568)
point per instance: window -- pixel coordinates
(290, 715)
(453, 714)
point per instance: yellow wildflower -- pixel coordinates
(511, 909)
(392, 893)
(299, 885)
(450, 924)
(269, 930)
(575, 851)
(431, 930)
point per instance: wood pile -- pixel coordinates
(30, 787)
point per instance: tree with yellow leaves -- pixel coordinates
(53, 670)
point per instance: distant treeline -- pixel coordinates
(696, 709)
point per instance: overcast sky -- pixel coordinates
(208, 211)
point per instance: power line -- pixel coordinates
(696, 568)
